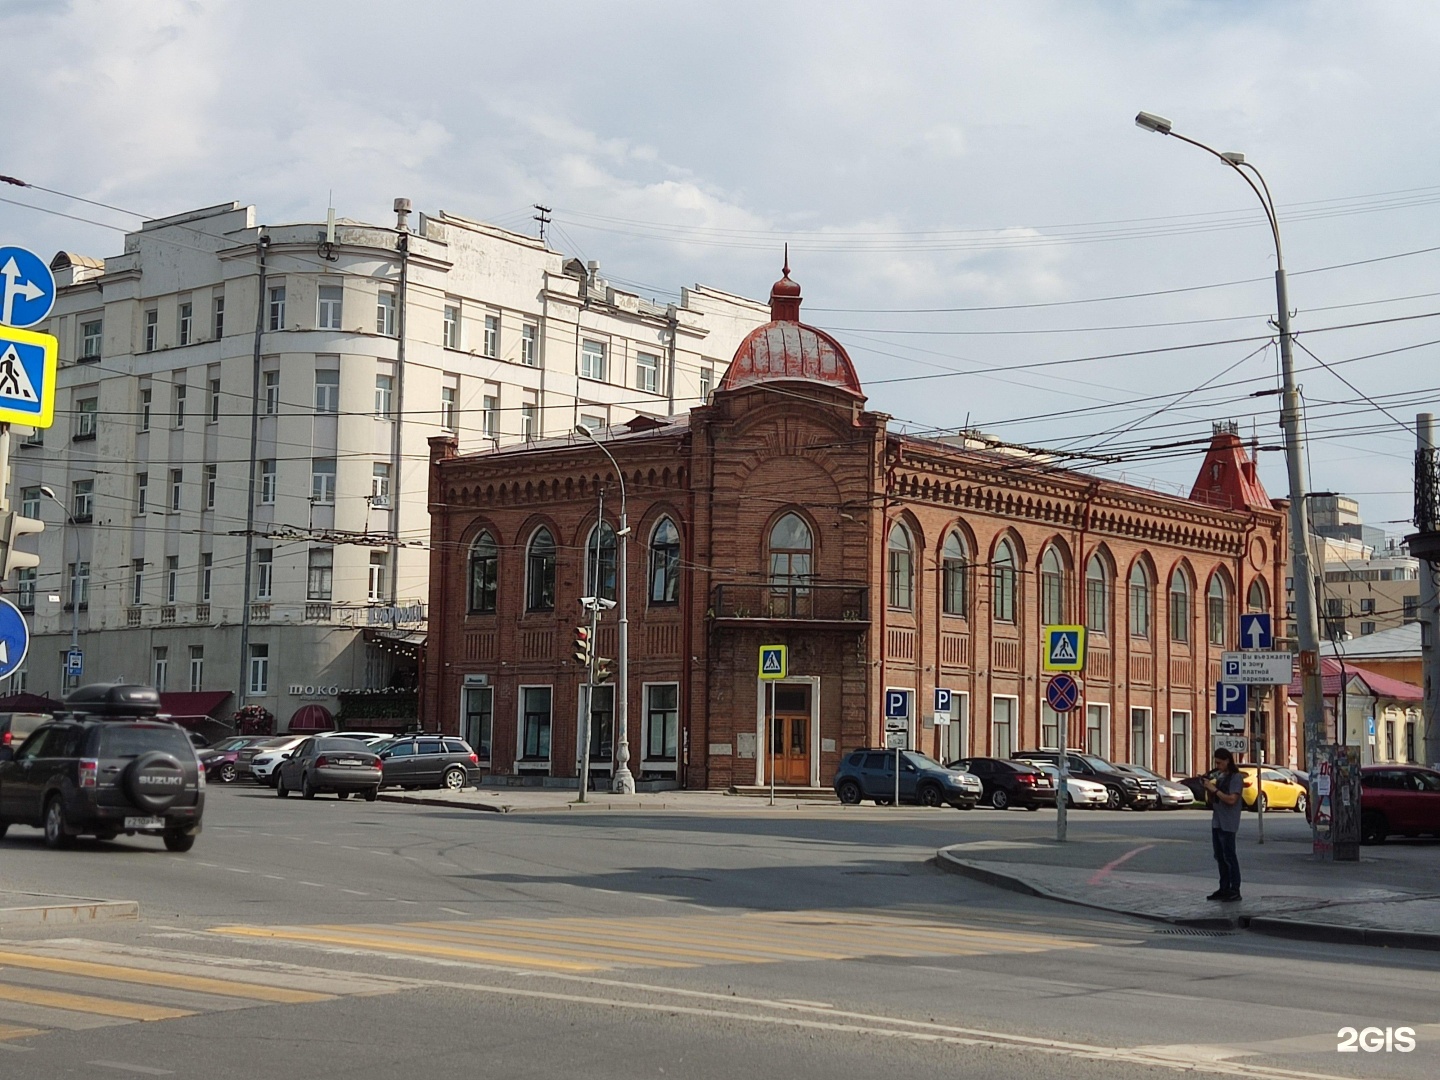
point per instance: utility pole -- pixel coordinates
(543, 217)
(1425, 546)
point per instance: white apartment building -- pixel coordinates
(216, 357)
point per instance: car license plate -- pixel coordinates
(348, 761)
(144, 823)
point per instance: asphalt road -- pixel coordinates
(327, 938)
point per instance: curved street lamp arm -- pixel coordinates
(1262, 192)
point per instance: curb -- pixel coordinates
(952, 865)
(427, 800)
(65, 914)
(1273, 926)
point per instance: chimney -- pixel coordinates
(402, 211)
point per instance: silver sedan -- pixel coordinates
(329, 764)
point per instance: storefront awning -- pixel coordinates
(201, 703)
(408, 642)
(312, 718)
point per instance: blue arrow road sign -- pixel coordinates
(1230, 699)
(14, 638)
(1255, 632)
(27, 288)
(74, 663)
(897, 704)
(1062, 693)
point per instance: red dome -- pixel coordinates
(785, 348)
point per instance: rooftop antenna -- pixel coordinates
(327, 246)
(543, 217)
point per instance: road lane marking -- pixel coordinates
(145, 1070)
(172, 980)
(15, 1031)
(373, 945)
(1104, 871)
(84, 1003)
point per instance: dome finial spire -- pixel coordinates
(786, 268)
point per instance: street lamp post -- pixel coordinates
(1306, 615)
(49, 493)
(624, 783)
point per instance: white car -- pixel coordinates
(359, 736)
(263, 764)
(1083, 794)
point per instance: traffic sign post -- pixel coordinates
(27, 287)
(1062, 694)
(14, 638)
(897, 727)
(1064, 648)
(74, 663)
(774, 666)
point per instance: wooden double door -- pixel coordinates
(790, 736)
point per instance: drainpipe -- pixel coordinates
(402, 246)
(672, 320)
(262, 244)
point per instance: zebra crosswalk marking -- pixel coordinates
(85, 1003)
(175, 981)
(591, 944)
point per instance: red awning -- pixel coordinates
(202, 703)
(312, 718)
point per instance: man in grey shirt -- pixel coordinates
(1223, 788)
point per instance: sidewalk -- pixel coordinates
(529, 800)
(40, 909)
(1390, 897)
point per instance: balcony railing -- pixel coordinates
(811, 603)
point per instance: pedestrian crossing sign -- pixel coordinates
(774, 661)
(1064, 648)
(27, 377)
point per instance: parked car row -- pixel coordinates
(406, 761)
(1397, 800)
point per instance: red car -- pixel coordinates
(1403, 799)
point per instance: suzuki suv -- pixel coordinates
(105, 767)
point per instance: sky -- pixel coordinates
(969, 205)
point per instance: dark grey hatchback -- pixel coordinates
(100, 774)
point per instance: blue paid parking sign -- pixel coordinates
(14, 638)
(27, 287)
(897, 704)
(1229, 699)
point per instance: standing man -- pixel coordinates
(1222, 791)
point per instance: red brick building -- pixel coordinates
(785, 512)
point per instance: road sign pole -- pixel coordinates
(770, 735)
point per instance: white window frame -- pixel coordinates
(385, 313)
(159, 666)
(178, 393)
(377, 579)
(187, 323)
(492, 336)
(92, 344)
(268, 484)
(647, 372)
(955, 736)
(329, 306)
(147, 400)
(384, 396)
(258, 661)
(217, 317)
(152, 329)
(312, 568)
(490, 416)
(87, 413)
(380, 484)
(142, 493)
(325, 495)
(265, 574)
(1149, 730)
(707, 382)
(137, 582)
(172, 578)
(276, 307)
(449, 420)
(594, 362)
(327, 393)
(177, 489)
(82, 500)
(529, 344)
(212, 480)
(214, 411)
(207, 575)
(271, 381)
(30, 498)
(450, 325)
(197, 668)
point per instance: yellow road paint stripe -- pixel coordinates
(9, 1031)
(169, 979)
(84, 1003)
(380, 945)
(547, 946)
(685, 932)
(609, 942)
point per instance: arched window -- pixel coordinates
(600, 562)
(901, 568)
(1258, 598)
(1139, 602)
(484, 574)
(1097, 596)
(955, 569)
(791, 549)
(1052, 588)
(1179, 606)
(1002, 573)
(1219, 615)
(540, 572)
(665, 563)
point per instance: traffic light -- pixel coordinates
(602, 669)
(12, 527)
(584, 646)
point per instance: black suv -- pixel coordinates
(1123, 789)
(104, 767)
